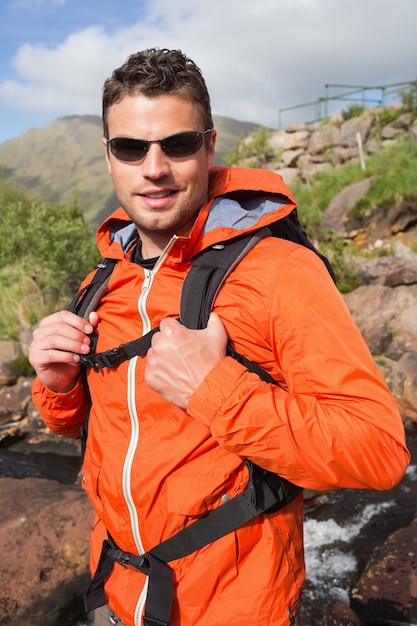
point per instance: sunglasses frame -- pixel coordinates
(145, 144)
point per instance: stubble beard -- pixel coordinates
(155, 223)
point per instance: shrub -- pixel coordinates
(409, 96)
(353, 110)
(253, 150)
(46, 249)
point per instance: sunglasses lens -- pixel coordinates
(126, 149)
(182, 144)
(179, 145)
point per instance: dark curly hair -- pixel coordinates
(156, 72)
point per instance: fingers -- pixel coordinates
(215, 328)
(57, 344)
(59, 333)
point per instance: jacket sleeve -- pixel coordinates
(63, 413)
(334, 424)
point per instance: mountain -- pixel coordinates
(65, 161)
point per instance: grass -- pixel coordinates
(394, 179)
(393, 171)
(23, 304)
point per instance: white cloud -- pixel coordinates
(257, 57)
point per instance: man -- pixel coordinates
(169, 432)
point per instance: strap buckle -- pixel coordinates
(109, 358)
(130, 561)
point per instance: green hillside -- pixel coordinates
(64, 161)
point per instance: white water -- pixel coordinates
(329, 567)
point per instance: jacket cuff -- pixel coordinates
(57, 400)
(214, 392)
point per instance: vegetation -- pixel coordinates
(409, 97)
(253, 149)
(393, 172)
(45, 251)
(353, 110)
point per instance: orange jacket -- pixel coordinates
(151, 468)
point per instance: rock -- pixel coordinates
(377, 308)
(44, 546)
(373, 146)
(388, 586)
(400, 345)
(403, 121)
(345, 200)
(401, 376)
(14, 401)
(289, 174)
(289, 157)
(345, 154)
(402, 251)
(338, 614)
(389, 132)
(294, 128)
(349, 129)
(310, 165)
(283, 140)
(388, 270)
(10, 352)
(322, 138)
(25, 337)
(9, 435)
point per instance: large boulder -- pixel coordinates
(388, 586)
(44, 547)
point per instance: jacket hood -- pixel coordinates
(241, 200)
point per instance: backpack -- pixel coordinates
(209, 270)
(265, 492)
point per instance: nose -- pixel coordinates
(156, 163)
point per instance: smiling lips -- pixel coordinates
(159, 199)
(160, 194)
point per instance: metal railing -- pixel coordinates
(360, 94)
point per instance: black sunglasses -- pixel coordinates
(179, 145)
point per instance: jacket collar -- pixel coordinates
(241, 200)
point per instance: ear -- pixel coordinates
(211, 148)
(106, 147)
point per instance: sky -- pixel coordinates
(259, 57)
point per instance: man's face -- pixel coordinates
(161, 194)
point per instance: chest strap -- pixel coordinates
(264, 493)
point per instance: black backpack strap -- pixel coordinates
(124, 352)
(94, 596)
(208, 272)
(264, 493)
(85, 301)
(87, 298)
